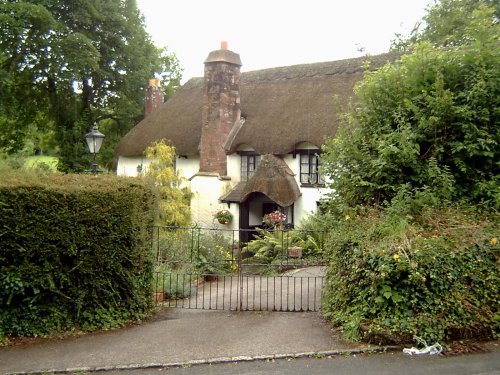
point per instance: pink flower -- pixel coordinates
(274, 218)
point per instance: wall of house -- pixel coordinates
(234, 168)
(305, 205)
(206, 189)
(127, 166)
(187, 167)
(307, 202)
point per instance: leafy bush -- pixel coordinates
(311, 233)
(176, 246)
(214, 254)
(75, 252)
(194, 250)
(272, 245)
(424, 133)
(172, 283)
(268, 245)
(414, 270)
(429, 120)
(174, 199)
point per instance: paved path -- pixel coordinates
(177, 336)
(297, 290)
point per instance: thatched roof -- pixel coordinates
(177, 120)
(273, 178)
(281, 107)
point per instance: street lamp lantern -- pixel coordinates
(94, 142)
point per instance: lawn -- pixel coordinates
(36, 161)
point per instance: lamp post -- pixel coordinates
(94, 141)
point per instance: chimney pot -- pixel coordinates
(223, 45)
(154, 96)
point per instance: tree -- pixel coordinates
(415, 174)
(174, 200)
(430, 121)
(76, 63)
(450, 23)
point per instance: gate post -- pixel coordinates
(240, 282)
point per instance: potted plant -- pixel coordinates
(223, 216)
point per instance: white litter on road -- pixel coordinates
(428, 349)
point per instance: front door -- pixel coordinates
(252, 212)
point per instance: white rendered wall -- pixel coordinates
(234, 168)
(127, 166)
(310, 195)
(187, 167)
(206, 190)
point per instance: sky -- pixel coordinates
(273, 33)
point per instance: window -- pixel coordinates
(309, 169)
(249, 163)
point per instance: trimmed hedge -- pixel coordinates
(434, 274)
(74, 252)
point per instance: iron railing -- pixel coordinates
(201, 268)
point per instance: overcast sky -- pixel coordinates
(272, 33)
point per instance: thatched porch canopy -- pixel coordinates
(272, 178)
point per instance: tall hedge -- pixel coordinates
(433, 273)
(74, 252)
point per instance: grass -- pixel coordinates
(43, 161)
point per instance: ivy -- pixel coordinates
(401, 272)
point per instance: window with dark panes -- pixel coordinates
(249, 163)
(309, 169)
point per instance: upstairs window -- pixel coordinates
(249, 162)
(309, 168)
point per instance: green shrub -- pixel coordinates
(194, 250)
(268, 245)
(172, 283)
(403, 271)
(214, 255)
(272, 245)
(75, 252)
(310, 235)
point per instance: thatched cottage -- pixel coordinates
(248, 142)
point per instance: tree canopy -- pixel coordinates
(65, 65)
(429, 121)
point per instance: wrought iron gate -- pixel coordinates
(199, 268)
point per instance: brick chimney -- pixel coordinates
(154, 96)
(221, 107)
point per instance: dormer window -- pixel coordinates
(309, 168)
(249, 162)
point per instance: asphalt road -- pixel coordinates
(373, 364)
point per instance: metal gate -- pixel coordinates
(200, 268)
